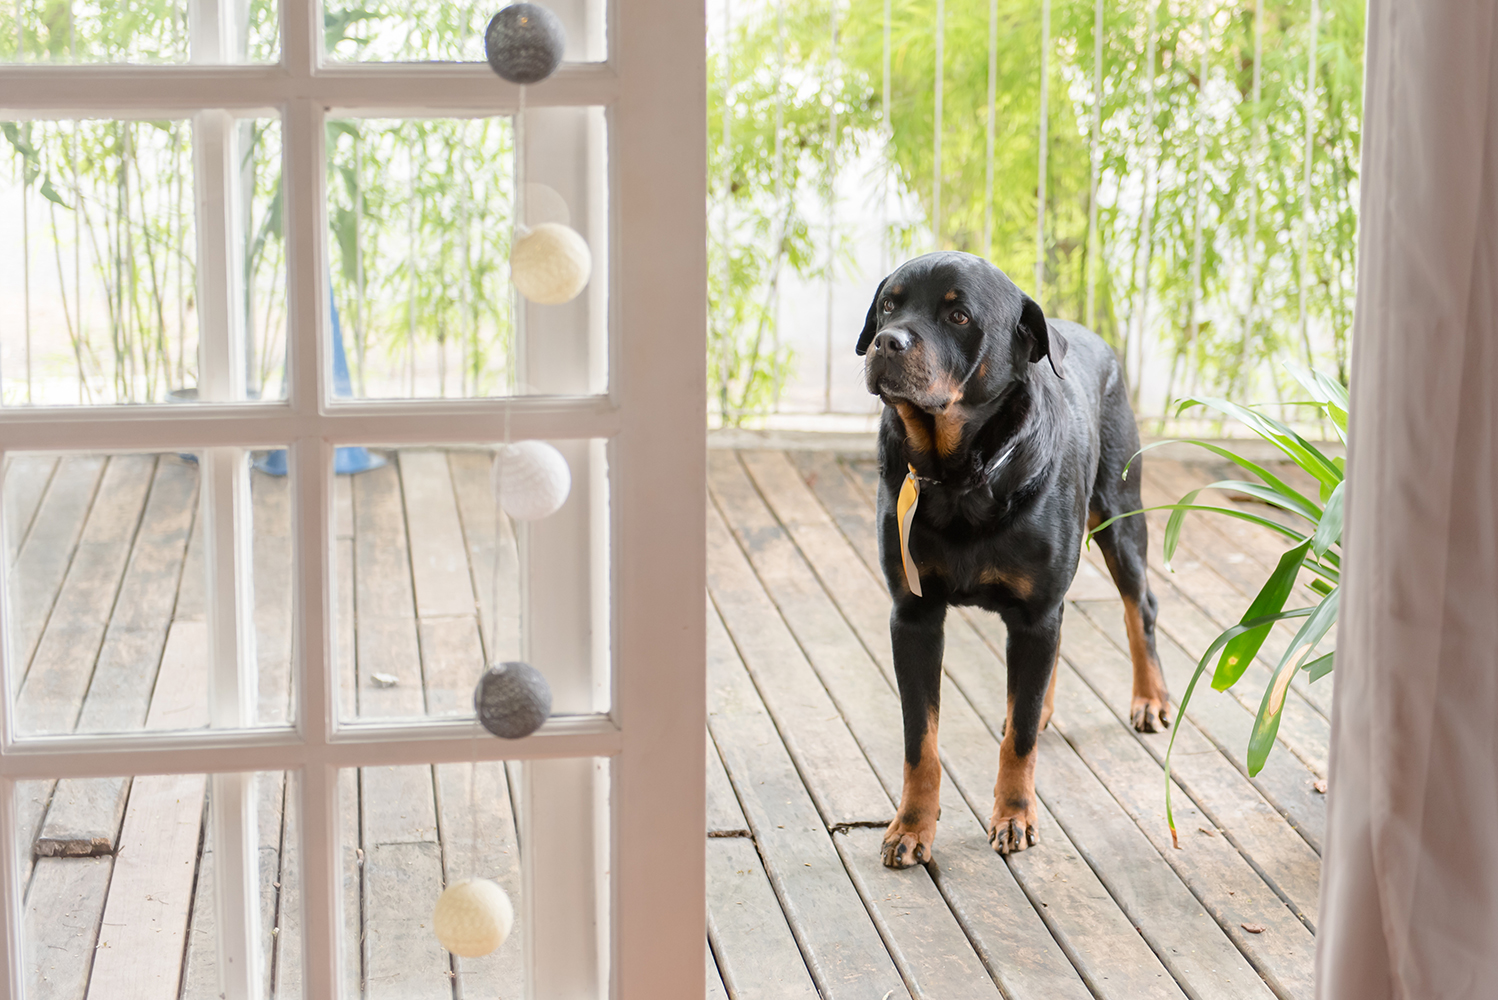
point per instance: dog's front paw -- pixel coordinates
(1013, 829)
(907, 844)
(1150, 713)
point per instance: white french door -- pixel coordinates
(273, 183)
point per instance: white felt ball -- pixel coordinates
(550, 264)
(531, 480)
(473, 918)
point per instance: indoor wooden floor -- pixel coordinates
(804, 761)
(803, 753)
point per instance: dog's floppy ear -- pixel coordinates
(1044, 342)
(871, 324)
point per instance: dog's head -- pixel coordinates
(949, 327)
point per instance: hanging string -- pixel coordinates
(1252, 251)
(993, 84)
(1305, 193)
(1094, 238)
(1144, 250)
(936, 112)
(1193, 327)
(1045, 54)
(832, 92)
(889, 135)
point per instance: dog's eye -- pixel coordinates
(888, 305)
(959, 317)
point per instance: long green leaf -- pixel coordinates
(1321, 666)
(1265, 494)
(1241, 515)
(1201, 667)
(1329, 531)
(1267, 723)
(1279, 485)
(1299, 450)
(1271, 598)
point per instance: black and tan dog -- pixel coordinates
(1004, 439)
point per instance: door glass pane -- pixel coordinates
(120, 883)
(443, 30)
(96, 31)
(108, 618)
(99, 260)
(406, 833)
(422, 216)
(435, 581)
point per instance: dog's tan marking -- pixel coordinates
(982, 370)
(1093, 520)
(908, 840)
(917, 430)
(950, 296)
(1019, 584)
(1049, 708)
(1015, 821)
(951, 423)
(1149, 708)
(895, 289)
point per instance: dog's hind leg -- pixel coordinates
(916, 635)
(1124, 545)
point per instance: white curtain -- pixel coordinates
(1409, 896)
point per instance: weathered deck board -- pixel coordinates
(144, 933)
(724, 817)
(85, 814)
(42, 562)
(26, 478)
(51, 694)
(842, 949)
(745, 923)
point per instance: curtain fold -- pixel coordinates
(1409, 895)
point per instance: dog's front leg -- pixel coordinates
(1032, 651)
(915, 629)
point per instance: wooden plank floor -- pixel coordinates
(107, 570)
(804, 768)
(803, 751)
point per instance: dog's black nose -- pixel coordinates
(890, 342)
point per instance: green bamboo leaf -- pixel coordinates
(1273, 497)
(1267, 723)
(1201, 667)
(1271, 598)
(1241, 515)
(1279, 485)
(1329, 531)
(1320, 667)
(50, 193)
(1299, 450)
(1173, 527)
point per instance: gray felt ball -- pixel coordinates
(512, 699)
(525, 43)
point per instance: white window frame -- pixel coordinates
(653, 87)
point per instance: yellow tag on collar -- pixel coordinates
(910, 495)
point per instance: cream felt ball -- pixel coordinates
(550, 264)
(531, 480)
(472, 918)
